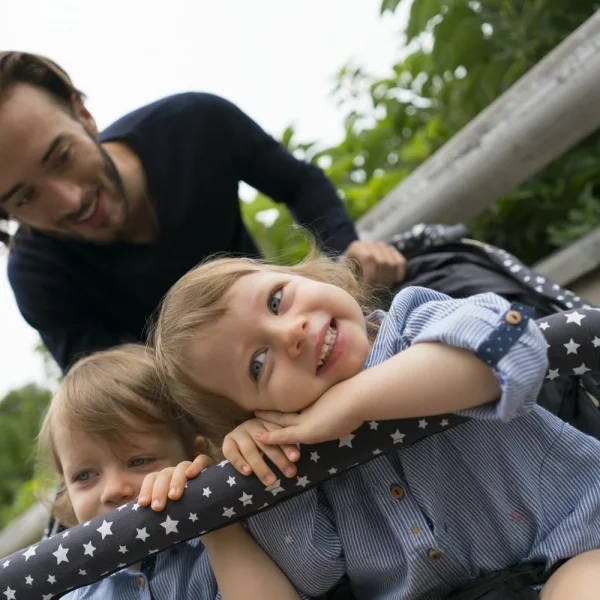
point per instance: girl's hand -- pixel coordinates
(170, 482)
(244, 452)
(332, 416)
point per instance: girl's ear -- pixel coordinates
(200, 445)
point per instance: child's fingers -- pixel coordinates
(232, 453)
(145, 495)
(278, 418)
(160, 491)
(253, 457)
(291, 451)
(280, 437)
(178, 480)
(200, 463)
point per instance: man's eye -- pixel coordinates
(256, 365)
(275, 301)
(25, 198)
(63, 157)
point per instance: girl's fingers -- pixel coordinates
(251, 453)
(278, 418)
(280, 437)
(278, 457)
(291, 451)
(178, 480)
(232, 453)
(200, 463)
(160, 491)
(146, 489)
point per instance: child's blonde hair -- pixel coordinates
(111, 394)
(199, 298)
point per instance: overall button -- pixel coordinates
(434, 554)
(513, 317)
(397, 492)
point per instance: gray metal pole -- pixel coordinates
(551, 108)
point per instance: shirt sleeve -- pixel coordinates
(301, 537)
(266, 165)
(500, 334)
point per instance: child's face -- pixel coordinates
(284, 341)
(100, 478)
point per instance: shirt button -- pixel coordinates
(142, 581)
(415, 530)
(397, 492)
(434, 554)
(513, 317)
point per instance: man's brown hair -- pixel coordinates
(39, 71)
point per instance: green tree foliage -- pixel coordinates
(21, 412)
(460, 56)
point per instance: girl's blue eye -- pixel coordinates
(256, 365)
(275, 301)
(139, 462)
(84, 476)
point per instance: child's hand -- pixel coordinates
(243, 451)
(170, 482)
(331, 417)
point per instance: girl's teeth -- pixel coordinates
(329, 340)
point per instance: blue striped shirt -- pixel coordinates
(515, 484)
(182, 571)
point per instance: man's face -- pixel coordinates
(54, 176)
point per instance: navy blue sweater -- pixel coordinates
(195, 149)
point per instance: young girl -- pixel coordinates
(513, 485)
(105, 432)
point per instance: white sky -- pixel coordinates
(275, 59)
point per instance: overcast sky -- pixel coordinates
(276, 59)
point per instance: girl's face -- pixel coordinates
(283, 342)
(100, 477)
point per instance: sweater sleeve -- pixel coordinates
(266, 165)
(500, 334)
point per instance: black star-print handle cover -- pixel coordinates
(221, 496)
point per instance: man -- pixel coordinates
(109, 221)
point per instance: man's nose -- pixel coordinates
(293, 331)
(64, 197)
(117, 489)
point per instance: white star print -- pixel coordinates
(121, 565)
(47, 596)
(122, 549)
(398, 437)
(581, 370)
(539, 288)
(142, 534)
(6, 563)
(29, 552)
(544, 325)
(122, 507)
(89, 549)
(332, 471)
(231, 481)
(423, 423)
(206, 492)
(540, 279)
(376, 451)
(193, 517)
(82, 572)
(314, 456)
(86, 523)
(275, 488)
(10, 594)
(51, 579)
(223, 463)
(170, 525)
(574, 317)
(444, 423)
(29, 580)
(135, 506)
(104, 529)
(596, 342)
(228, 512)
(373, 425)
(245, 499)
(61, 555)
(552, 374)
(303, 481)
(571, 347)
(65, 534)
(347, 440)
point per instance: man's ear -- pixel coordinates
(83, 114)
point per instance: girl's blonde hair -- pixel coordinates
(111, 394)
(199, 298)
